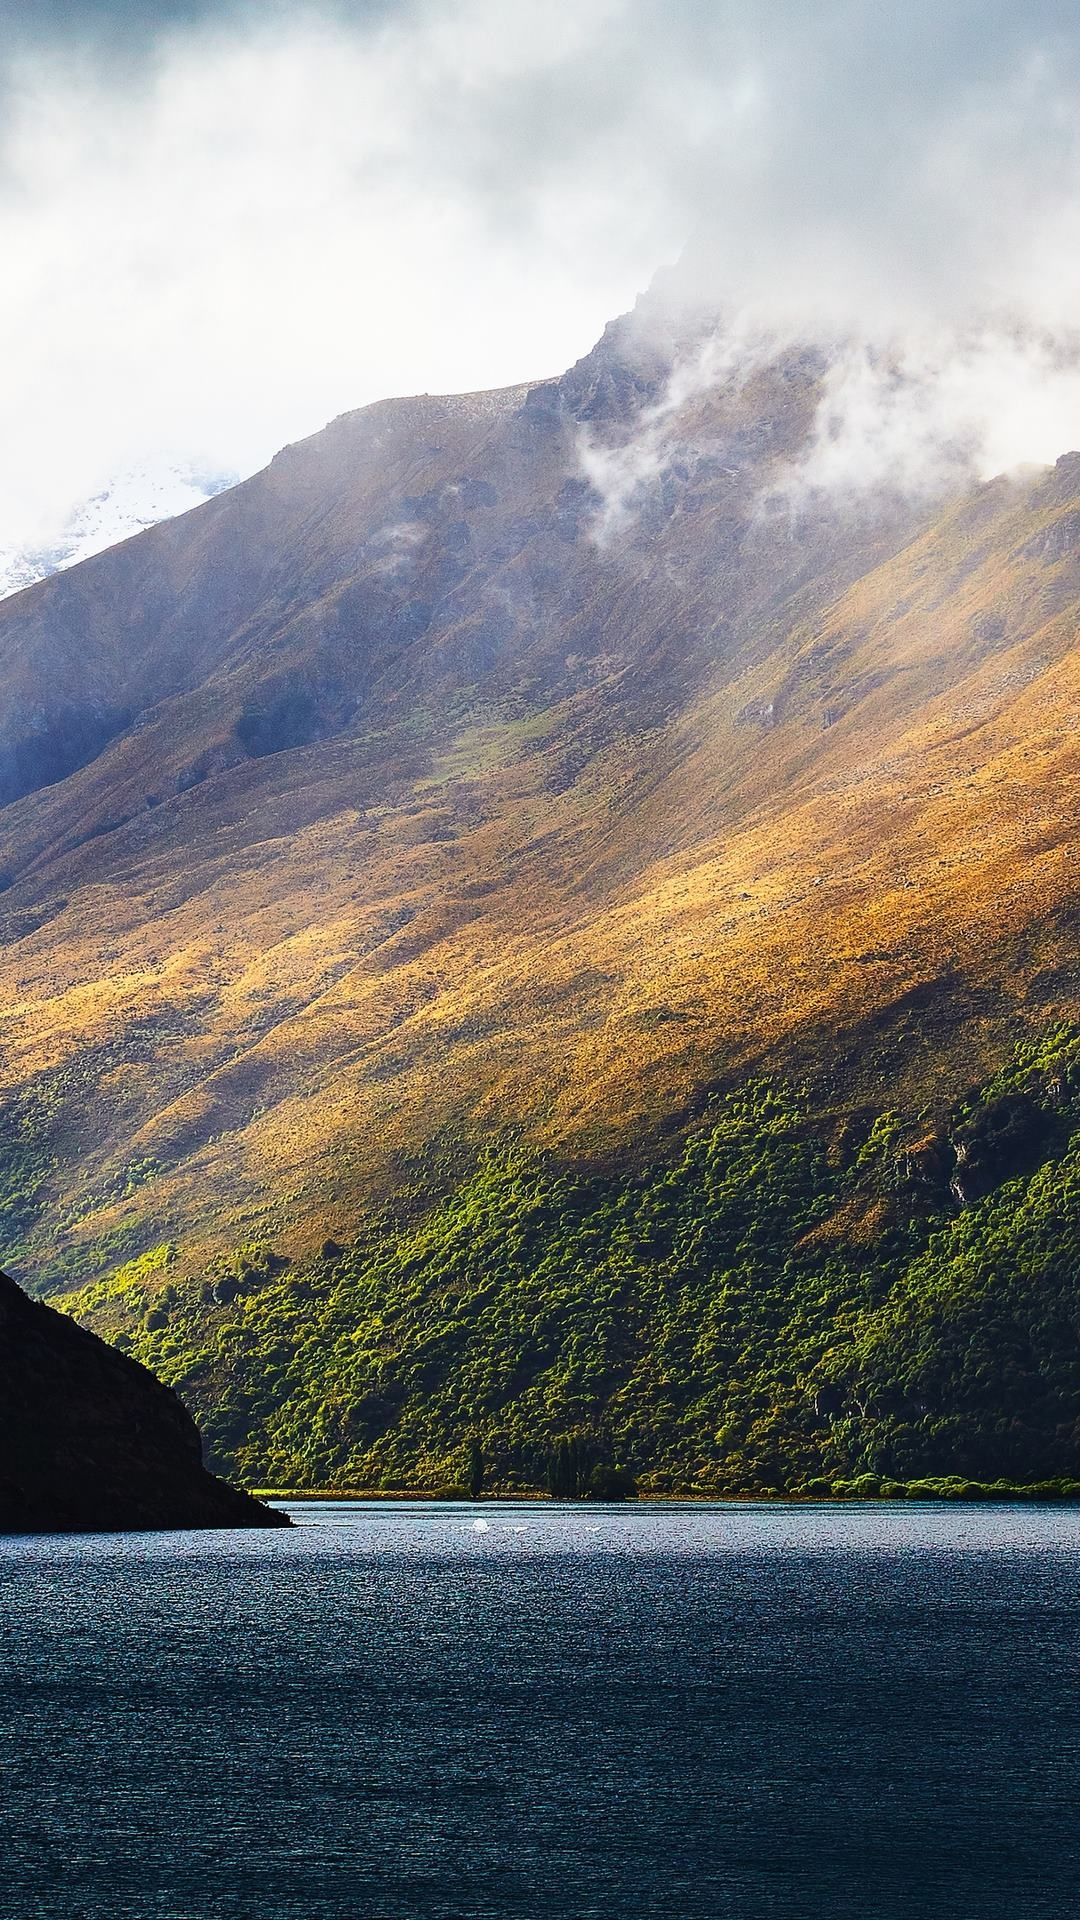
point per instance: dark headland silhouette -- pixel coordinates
(91, 1442)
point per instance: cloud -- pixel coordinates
(932, 411)
(223, 224)
(622, 470)
(906, 200)
(278, 218)
(900, 162)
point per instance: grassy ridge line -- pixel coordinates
(784, 1309)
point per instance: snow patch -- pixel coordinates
(138, 498)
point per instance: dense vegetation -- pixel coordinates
(797, 1302)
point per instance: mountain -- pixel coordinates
(138, 497)
(797, 1300)
(92, 1443)
(520, 774)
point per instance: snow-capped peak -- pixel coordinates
(136, 498)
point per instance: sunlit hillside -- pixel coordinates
(404, 802)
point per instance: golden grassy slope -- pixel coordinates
(756, 811)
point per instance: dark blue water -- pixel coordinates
(827, 1714)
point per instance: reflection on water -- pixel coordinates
(393, 1712)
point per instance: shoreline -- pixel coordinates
(971, 1495)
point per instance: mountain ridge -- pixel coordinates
(418, 815)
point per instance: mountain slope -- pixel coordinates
(796, 1301)
(397, 802)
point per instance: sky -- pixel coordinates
(223, 224)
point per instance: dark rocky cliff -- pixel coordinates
(92, 1442)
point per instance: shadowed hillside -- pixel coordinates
(399, 803)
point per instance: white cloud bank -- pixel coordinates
(272, 215)
(273, 221)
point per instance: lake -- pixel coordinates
(831, 1713)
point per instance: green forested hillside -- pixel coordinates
(798, 1301)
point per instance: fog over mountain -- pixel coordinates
(225, 224)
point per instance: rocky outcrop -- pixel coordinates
(91, 1442)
